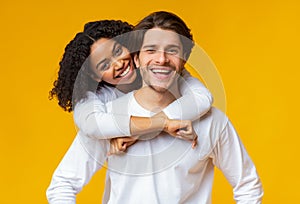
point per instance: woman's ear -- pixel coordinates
(136, 60)
(95, 77)
(87, 69)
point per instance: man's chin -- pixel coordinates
(159, 89)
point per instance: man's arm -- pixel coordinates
(75, 170)
(232, 159)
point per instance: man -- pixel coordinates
(165, 169)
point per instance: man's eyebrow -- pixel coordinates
(173, 45)
(167, 46)
(148, 46)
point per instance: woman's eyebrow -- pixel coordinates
(114, 47)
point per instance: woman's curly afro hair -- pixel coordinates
(73, 80)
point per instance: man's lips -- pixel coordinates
(162, 72)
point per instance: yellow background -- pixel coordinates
(254, 44)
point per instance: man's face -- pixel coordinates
(160, 59)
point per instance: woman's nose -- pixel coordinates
(118, 64)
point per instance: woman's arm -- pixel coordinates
(194, 102)
(92, 117)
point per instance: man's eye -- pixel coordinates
(172, 51)
(150, 51)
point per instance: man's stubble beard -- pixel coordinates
(159, 89)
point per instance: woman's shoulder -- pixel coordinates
(108, 93)
(101, 96)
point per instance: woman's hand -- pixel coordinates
(119, 145)
(182, 129)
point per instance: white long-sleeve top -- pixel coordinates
(162, 169)
(92, 118)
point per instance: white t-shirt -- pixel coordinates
(162, 169)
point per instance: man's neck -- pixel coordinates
(154, 100)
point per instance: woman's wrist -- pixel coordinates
(166, 122)
(163, 120)
(144, 125)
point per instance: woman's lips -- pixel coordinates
(126, 72)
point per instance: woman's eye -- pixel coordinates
(118, 51)
(104, 66)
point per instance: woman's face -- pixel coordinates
(111, 62)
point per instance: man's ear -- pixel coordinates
(136, 60)
(184, 57)
(183, 60)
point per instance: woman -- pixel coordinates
(85, 85)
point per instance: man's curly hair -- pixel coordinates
(74, 79)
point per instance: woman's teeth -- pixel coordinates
(125, 72)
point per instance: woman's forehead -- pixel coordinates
(102, 44)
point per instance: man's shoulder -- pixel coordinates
(217, 113)
(214, 119)
(209, 129)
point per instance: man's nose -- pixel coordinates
(162, 57)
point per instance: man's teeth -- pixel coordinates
(125, 72)
(161, 71)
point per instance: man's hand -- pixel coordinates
(182, 129)
(119, 145)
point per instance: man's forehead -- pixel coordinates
(157, 36)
